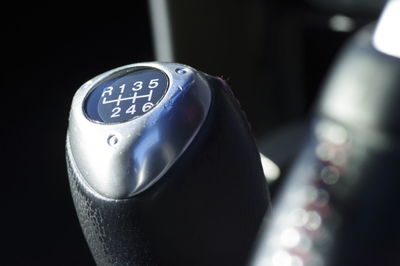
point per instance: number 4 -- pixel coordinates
(131, 110)
(153, 83)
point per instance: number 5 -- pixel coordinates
(153, 83)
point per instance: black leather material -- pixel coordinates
(205, 211)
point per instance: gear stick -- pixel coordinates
(163, 168)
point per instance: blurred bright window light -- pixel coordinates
(271, 170)
(387, 34)
(341, 23)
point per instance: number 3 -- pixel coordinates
(137, 85)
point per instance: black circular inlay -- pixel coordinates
(127, 96)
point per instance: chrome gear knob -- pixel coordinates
(129, 125)
(163, 168)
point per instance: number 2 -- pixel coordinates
(115, 112)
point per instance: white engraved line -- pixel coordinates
(144, 96)
(133, 98)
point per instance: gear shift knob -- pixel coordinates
(163, 168)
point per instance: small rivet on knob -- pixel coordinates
(180, 70)
(112, 140)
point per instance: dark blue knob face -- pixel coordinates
(127, 96)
